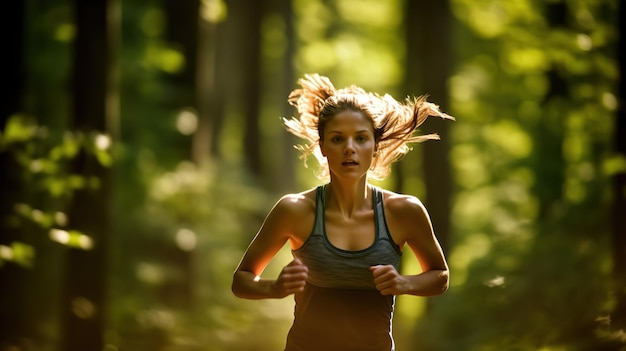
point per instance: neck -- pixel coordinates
(348, 198)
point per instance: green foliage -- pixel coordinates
(351, 41)
(190, 232)
(531, 152)
(19, 253)
(531, 262)
(44, 165)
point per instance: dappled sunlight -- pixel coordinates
(6, 253)
(473, 247)
(186, 239)
(498, 281)
(473, 209)
(166, 59)
(267, 320)
(383, 14)
(325, 48)
(490, 18)
(156, 318)
(187, 121)
(508, 139)
(469, 160)
(198, 223)
(213, 11)
(65, 32)
(71, 238)
(532, 162)
(83, 308)
(524, 60)
(186, 177)
(310, 57)
(149, 273)
(102, 141)
(408, 308)
(275, 41)
(471, 80)
(609, 101)
(20, 253)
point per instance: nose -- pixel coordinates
(349, 149)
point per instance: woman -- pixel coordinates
(347, 235)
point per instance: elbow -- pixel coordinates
(238, 291)
(242, 285)
(235, 287)
(439, 283)
(234, 290)
(444, 281)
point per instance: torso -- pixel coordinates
(352, 234)
(330, 313)
(340, 254)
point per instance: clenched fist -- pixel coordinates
(291, 279)
(388, 281)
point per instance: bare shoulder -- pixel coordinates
(407, 218)
(295, 215)
(401, 205)
(296, 205)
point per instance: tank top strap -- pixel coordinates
(379, 213)
(320, 194)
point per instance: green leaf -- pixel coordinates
(18, 129)
(103, 157)
(71, 238)
(23, 254)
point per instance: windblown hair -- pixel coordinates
(394, 123)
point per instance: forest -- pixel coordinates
(142, 145)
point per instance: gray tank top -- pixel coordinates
(332, 267)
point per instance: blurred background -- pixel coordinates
(141, 146)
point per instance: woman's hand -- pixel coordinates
(291, 279)
(388, 281)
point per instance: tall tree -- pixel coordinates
(428, 67)
(182, 30)
(85, 287)
(287, 178)
(249, 16)
(12, 71)
(549, 162)
(208, 98)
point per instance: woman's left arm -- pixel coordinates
(410, 224)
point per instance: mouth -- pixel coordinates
(349, 163)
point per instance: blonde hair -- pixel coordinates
(394, 123)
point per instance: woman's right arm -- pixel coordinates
(276, 230)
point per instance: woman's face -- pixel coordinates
(348, 144)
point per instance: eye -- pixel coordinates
(336, 139)
(361, 138)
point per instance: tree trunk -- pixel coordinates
(548, 160)
(183, 33)
(619, 184)
(182, 30)
(287, 177)
(85, 285)
(252, 87)
(428, 65)
(251, 13)
(428, 69)
(205, 141)
(12, 276)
